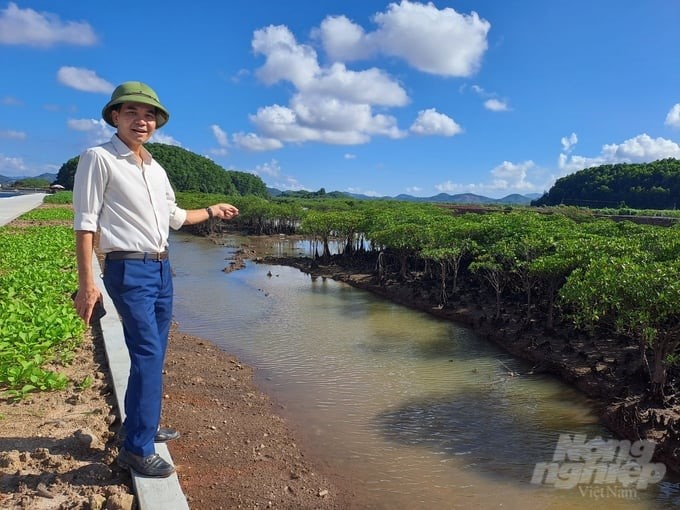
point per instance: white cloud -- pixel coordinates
(512, 176)
(491, 103)
(343, 40)
(16, 167)
(673, 117)
(506, 178)
(280, 122)
(336, 119)
(221, 136)
(336, 105)
(32, 28)
(496, 105)
(84, 124)
(218, 152)
(414, 189)
(452, 187)
(222, 140)
(272, 173)
(431, 122)
(527, 177)
(83, 79)
(289, 184)
(13, 135)
(568, 142)
(240, 74)
(350, 156)
(331, 104)
(11, 101)
(371, 86)
(54, 108)
(270, 169)
(640, 149)
(285, 58)
(256, 143)
(97, 131)
(12, 166)
(160, 137)
(436, 41)
(323, 119)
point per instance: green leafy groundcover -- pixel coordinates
(39, 328)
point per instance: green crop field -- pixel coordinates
(39, 328)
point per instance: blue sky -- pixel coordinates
(489, 97)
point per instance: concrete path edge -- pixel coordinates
(152, 493)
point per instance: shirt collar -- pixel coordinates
(125, 151)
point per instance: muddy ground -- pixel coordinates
(57, 450)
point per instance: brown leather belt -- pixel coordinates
(136, 255)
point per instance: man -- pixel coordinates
(120, 190)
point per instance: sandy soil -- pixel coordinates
(235, 452)
(57, 450)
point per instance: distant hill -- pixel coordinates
(654, 185)
(4, 180)
(471, 198)
(187, 171)
(462, 198)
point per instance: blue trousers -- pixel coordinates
(141, 291)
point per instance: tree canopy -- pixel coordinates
(187, 171)
(654, 185)
(32, 182)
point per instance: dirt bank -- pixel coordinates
(57, 450)
(235, 451)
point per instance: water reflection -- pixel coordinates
(483, 430)
(414, 412)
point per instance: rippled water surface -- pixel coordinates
(414, 412)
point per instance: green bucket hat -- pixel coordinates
(135, 92)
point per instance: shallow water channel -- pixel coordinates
(414, 412)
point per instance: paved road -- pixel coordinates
(13, 207)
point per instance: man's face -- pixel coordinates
(136, 123)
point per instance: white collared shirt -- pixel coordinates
(131, 203)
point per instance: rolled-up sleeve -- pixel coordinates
(178, 216)
(88, 191)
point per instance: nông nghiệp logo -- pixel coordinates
(599, 467)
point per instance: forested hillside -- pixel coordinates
(187, 171)
(653, 185)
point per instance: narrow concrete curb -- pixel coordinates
(152, 493)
